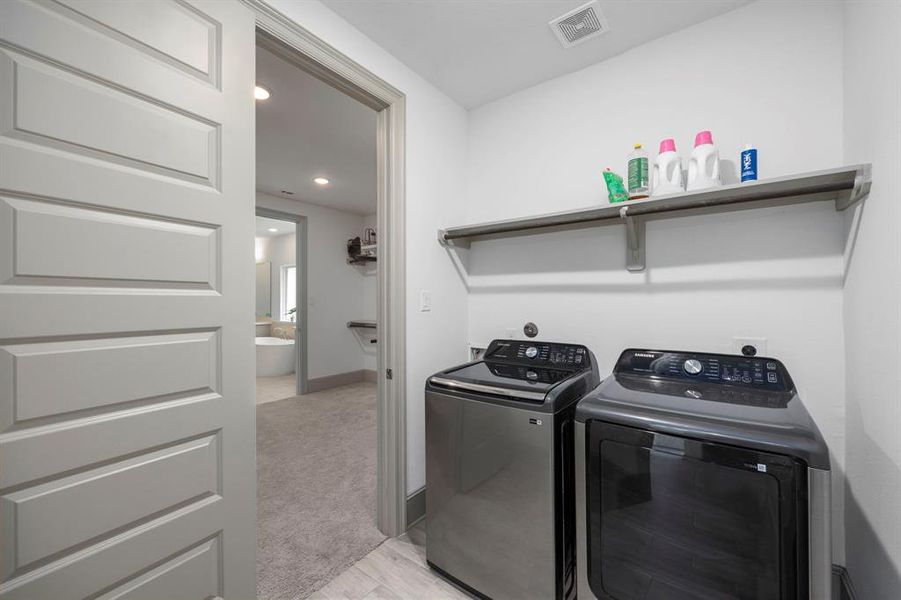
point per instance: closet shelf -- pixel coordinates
(361, 325)
(844, 185)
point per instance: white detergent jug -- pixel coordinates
(704, 164)
(667, 175)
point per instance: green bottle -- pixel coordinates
(638, 174)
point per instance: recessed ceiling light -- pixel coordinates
(320, 180)
(261, 93)
(273, 229)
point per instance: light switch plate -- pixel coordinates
(425, 300)
(740, 342)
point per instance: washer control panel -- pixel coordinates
(723, 369)
(530, 352)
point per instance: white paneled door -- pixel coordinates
(126, 291)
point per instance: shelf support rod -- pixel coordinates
(446, 243)
(635, 241)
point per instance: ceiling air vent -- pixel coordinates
(580, 24)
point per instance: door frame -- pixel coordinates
(285, 38)
(301, 337)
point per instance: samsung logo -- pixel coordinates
(645, 355)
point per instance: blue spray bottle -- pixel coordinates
(749, 163)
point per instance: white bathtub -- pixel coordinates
(275, 356)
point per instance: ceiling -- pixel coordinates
(264, 224)
(308, 129)
(476, 51)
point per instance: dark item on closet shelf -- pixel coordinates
(354, 247)
(355, 252)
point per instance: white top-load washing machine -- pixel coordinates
(700, 476)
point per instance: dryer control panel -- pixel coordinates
(722, 369)
(527, 352)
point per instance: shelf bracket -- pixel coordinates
(860, 190)
(635, 241)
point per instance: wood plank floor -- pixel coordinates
(396, 570)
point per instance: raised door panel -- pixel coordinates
(58, 108)
(191, 574)
(105, 372)
(53, 32)
(110, 435)
(44, 520)
(173, 31)
(125, 556)
(102, 248)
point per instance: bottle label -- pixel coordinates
(749, 165)
(638, 174)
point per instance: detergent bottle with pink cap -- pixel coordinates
(666, 177)
(704, 164)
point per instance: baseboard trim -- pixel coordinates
(416, 507)
(370, 376)
(841, 580)
(332, 381)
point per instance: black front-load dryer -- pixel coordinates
(700, 476)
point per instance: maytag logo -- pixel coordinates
(645, 355)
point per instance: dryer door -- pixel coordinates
(675, 518)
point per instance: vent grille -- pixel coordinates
(580, 24)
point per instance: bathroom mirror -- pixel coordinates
(264, 289)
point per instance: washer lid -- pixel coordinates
(515, 381)
(533, 375)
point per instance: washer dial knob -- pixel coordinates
(692, 366)
(531, 352)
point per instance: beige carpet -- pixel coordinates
(316, 461)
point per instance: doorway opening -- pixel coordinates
(318, 327)
(280, 254)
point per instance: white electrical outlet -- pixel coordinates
(425, 300)
(740, 342)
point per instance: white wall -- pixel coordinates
(435, 159)
(769, 73)
(872, 133)
(263, 304)
(335, 288)
(279, 251)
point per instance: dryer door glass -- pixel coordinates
(680, 519)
